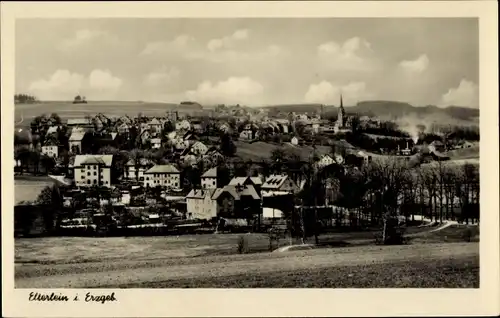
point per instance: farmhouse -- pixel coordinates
(209, 179)
(163, 175)
(200, 205)
(91, 170)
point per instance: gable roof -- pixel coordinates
(236, 193)
(274, 181)
(163, 169)
(239, 181)
(77, 121)
(51, 130)
(51, 142)
(154, 121)
(200, 193)
(211, 173)
(142, 162)
(106, 160)
(77, 135)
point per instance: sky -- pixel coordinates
(251, 61)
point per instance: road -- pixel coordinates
(111, 274)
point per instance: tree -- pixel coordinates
(136, 155)
(227, 146)
(51, 201)
(55, 118)
(355, 123)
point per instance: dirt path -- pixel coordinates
(101, 276)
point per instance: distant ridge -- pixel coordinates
(382, 108)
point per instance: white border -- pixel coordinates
(269, 302)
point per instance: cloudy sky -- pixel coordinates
(251, 61)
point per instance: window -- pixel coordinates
(88, 173)
(88, 181)
(95, 181)
(95, 173)
(83, 177)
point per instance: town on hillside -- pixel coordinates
(239, 169)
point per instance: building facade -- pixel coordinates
(93, 170)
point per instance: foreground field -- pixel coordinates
(241, 269)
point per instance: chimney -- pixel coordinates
(407, 145)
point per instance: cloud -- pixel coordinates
(234, 90)
(355, 54)
(64, 85)
(177, 45)
(84, 37)
(162, 76)
(104, 80)
(466, 94)
(418, 65)
(329, 93)
(227, 41)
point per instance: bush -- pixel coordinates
(242, 245)
(467, 235)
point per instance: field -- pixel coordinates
(24, 113)
(213, 261)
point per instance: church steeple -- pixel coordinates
(341, 113)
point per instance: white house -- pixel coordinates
(182, 125)
(324, 161)
(199, 148)
(295, 141)
(155, 126)
(51, 149)
(200, 205)
(90, 170)
(155, 143)
(163, 175)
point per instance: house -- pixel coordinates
(135, 170)
(182, 125)
(52, 130)
(209, 179)
(155, 126)
(91, 170)
(124, 128)
(279, 185)
(180, 144)
(155, 143)
(295, 141)
(324, 161)
(199, 148)
(145, 136)
(200, 205)
(163, 175)
(76, 140)
(213, 156)
(241, 202)
(172, 135)
(437, 145)
(246, 134)
(225, 128)
(51, 148)
(197, 128)
(284, 125)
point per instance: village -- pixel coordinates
(181, 173)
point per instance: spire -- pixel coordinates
(341, 103)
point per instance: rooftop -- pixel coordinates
(211, 173)
(236, 192)
(106, 160)
(163, 169)
(200, 194)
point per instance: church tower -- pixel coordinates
(341, 114)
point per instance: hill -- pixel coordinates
(388, 109)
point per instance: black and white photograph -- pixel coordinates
(246, 152)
